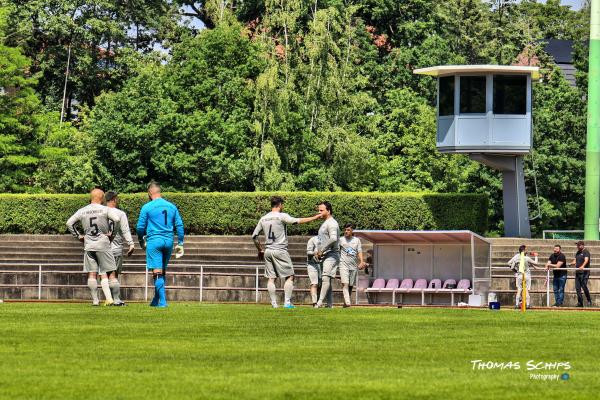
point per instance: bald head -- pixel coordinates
(154, 190)
(97, 196)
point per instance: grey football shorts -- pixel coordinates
(330, 264)
(278, 264)
(314, 273)
(101, 262)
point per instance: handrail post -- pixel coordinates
(201, 281)
(146, 285)
(40, 282)
(256, 286)
(547, 288)
(356, 289)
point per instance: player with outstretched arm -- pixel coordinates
(275, 253)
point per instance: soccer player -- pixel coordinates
(521, 264)
(351, 261)
(98, 257)
(329, 248)
(120, 233)
(275, 254)
(158, 218)
(313, 267)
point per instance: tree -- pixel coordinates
(88, 37)
(185, 124)
(408, 157)
(18, 103)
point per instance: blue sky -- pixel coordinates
(575, 4)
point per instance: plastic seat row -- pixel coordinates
(421, 286)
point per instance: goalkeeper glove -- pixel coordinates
(261, 255)
(130, 251)
(179, 251)
(142, 241)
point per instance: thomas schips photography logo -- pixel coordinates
(537, 370)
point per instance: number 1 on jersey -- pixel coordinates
(165, 214)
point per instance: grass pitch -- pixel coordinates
(204, 351)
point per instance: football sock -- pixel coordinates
(159, 286)
(272, 291)
(324, 289)
(313, 294)
(346, 294)
(106, 289)
(115, 289)
(350, 291)
(93, 285)
(330, 296)
(288, 288)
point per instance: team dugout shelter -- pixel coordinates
(427, 267)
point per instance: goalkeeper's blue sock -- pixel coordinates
(155, 299)
(160, 288)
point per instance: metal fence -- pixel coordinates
(248, 270)
(255, 271)
(558, 235)
(538, 275)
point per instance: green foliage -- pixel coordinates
(185, 125)
(275, 95)
(94, 32)
(238, 213)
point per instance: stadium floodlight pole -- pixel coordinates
(592, 159)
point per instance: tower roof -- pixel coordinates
(444, 70)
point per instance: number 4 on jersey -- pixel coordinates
(271, 235)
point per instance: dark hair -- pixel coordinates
(349, 225)
(558, 245)
(327, 205)
(153, 184)
(110, 195)
(522, 248)
(276, 201)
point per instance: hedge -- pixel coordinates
(236, 213)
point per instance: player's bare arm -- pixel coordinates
(309, 219)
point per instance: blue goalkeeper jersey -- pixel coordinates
(158, 219)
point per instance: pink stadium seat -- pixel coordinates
(435, 284)
(378, 284)
(420, 284)
(464, 284)
(448, 282)
(392, 284)
(363, 282)
(406, 283)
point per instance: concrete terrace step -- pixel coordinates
(190, 238)
(189, 252)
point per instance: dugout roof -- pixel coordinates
(445, 70)
(424, 237)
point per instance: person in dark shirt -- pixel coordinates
(582, 263)
(558, 262)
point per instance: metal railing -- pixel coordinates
(201, 273)
(539, 274)
(562, 234)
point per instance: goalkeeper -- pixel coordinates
(158, 218)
